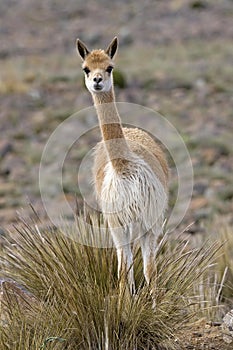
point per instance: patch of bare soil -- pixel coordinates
(203, 336)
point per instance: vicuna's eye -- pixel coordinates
(109, 69)
(86, 70)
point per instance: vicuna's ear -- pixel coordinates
(112, 48)
(82, 49)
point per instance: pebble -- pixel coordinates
(200, 187)
(2, 232)
(5, 147)
(227, 327)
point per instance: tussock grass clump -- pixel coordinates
(222, 232)
(66, 295)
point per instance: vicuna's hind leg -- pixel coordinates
(121, 239)
(149, 248)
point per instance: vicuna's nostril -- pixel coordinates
(97, 79)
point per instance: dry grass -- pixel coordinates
(71, 297)
(223, 233)
(216, 290)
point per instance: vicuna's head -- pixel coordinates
(98, 66)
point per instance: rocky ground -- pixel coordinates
(203, 336)
(175, 57)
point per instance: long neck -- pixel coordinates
(110, 125)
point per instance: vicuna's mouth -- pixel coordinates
(98, 87)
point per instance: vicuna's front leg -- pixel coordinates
(121, 239)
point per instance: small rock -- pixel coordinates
(200, 187)
(197, 334)
(34, 94)
(2, 232)
(12, 165)
(2, 236)
(5, 147)
(227, 327)
(216, 324)
(4, 172)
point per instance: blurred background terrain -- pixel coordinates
(175, 57)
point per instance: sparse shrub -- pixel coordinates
(119, 79)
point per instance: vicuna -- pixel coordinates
(130, 170)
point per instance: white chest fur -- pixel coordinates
(135, 196)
